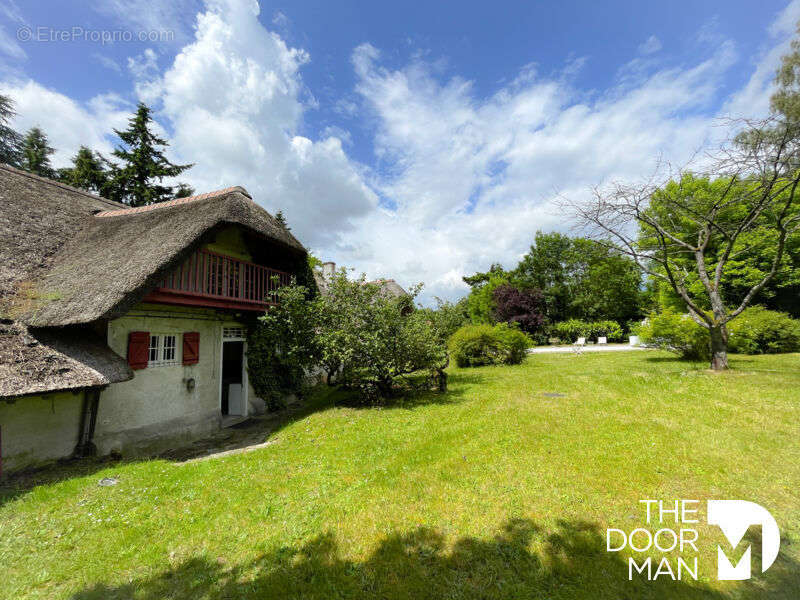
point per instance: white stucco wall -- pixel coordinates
(155, 409)
(37, 429)
(151, 412)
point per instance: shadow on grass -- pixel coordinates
(742, 363)
(458, 384)
(569, 562)
(23, 482)
(255, 431)
(677, 360)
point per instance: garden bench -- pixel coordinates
(577, 347)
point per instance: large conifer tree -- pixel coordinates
(36, 151)
(10, 140)
(137, 181)
(88, 172)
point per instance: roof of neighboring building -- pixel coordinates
(389, 287)
(68, 257)
(35, 361)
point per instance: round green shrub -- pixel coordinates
(514, 341)
(677, 333)
(478, 345)
(761, 331)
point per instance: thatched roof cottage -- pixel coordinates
(124, 328)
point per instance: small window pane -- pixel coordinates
(169, 348)
(153, 353)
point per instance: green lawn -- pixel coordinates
(494, 490)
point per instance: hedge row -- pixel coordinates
(756, 331)
(571, 330)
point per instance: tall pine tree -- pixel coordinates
(137, 181)
(282, 220)
(88, 171)
(10, 140)
(36, 152)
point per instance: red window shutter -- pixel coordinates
(138, 349)
(191, 348)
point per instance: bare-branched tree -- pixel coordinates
(685, 229)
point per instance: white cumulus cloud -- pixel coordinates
(235, 101)
(459, 180)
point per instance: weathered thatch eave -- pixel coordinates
(39, 361)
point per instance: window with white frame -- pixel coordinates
(163, 350)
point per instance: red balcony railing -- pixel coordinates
(211, 279)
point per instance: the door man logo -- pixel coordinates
(734, 517)
(679, 544)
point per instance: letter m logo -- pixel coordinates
(734, 517)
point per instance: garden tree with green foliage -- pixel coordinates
(581, 279)
(282, 348)
(578, 277)
(757, 246)
(693, 229)
(690, 228)
(480, 302)
(753, 259)
(88, 172)
(137, 180)
(478, 279)
(363, 338)
(546, 267)
(313, 261)
(35, 153)
(10, 140)
(369, 339)
(447, 317)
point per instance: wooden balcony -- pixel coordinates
(219, 281)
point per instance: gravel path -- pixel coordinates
(590, 348)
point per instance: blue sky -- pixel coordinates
(420, 141)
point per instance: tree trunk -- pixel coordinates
(719, 348)
(441, 380)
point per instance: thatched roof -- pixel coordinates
(35, 361)
(390, 288)
(37, 216)
(100, 258)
